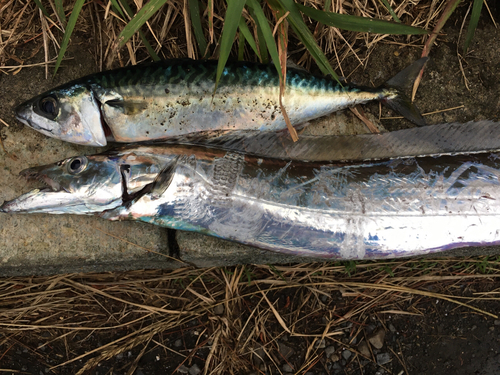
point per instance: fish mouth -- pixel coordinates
(31, 174)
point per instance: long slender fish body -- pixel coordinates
(176, 97)
(377, 209)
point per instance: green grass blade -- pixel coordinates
(129, 11)
(241, 47)
(42, 8)
(194, 12)
(60, 11)
(306, 37)
(69, 30)
(264, 56)
(231, 21)
(359, 24)
(245, 32)
(267, 33)
(389, 9)
(474, 19)
(118, 9)
(142, 16)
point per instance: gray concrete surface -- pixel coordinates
(46, 244)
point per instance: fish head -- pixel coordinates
(70, 113)
(86, 185)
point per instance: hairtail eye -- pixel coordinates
(77, 165)
(49, 106)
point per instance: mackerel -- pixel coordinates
(177, 97)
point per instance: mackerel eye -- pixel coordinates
(49, 107)
(77, 165)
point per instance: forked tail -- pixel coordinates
(400, 83)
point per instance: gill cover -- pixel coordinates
(69, 113)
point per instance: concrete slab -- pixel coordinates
(44, 244)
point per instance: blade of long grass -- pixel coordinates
(210, 7)
(142, 16)
(245, 32)
(60, 12)
(306, 37)
(117, 8)
(129, 11)
(231, 21)
(69, 30)
(241, 47)
(359, 24)
(264, 56)
(42, 8)
(263, 25)
(389, 9)
(474, 19)
(194, 11)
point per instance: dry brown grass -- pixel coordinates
(21, 22)
(144, 311)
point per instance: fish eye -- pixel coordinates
(77, 165)
(48, 106)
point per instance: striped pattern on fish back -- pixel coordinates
(195, 72)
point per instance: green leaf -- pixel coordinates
(69, 30)
(129, 11)
(142, 16)
(60, 11)
(241, 47)
(388, 6)
(474, 19)
(264, 56)
(231, 21)
(245, 32)
(194, 11)
(263, 25)
(306, 37)
(42, 8)
(118, 9)
(355, 23)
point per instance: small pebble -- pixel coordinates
(364, 349)
(183, 369)
(334, 357)
(219, 309)
(392, 328)
(497, 322)
(383, 358)
(178, 343)
(346, 354)
(119, 356)
(377, 338)
(194, 370)
(287, 368)
(329, 350)
(320, 344)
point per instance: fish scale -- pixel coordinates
(177, 97)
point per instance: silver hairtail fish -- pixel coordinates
(376, 209)
(176, 97)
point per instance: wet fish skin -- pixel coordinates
(176, 97)
(377, 209)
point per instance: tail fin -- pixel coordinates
(401, 103)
